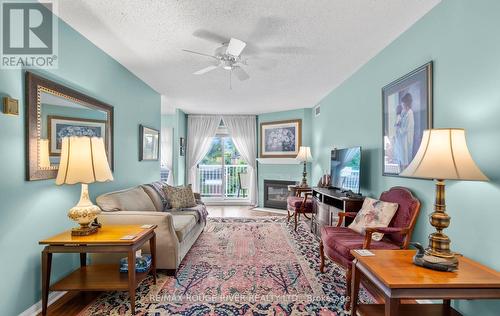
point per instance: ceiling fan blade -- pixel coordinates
(210, 36)
(240, 73)
(266, 28)
(205, 70)
(235, 47)
(198, 53)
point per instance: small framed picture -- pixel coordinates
(280, 139)
(149, 147)
(182, 146)
(407, 112)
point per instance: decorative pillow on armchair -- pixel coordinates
(180, 197)
(374, 213)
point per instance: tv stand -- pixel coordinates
(327, 202)
(343, 193)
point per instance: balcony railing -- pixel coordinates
(216, 182)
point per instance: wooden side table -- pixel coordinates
(394, 273)
(102, 277)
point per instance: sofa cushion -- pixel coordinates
(295, 202)
(339, 241)
(133, 199)
(183, 224)
(180, 197)
(373, 213)
(175, 211)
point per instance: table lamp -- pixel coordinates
(305, 157)
(83, 160)
(443, 155)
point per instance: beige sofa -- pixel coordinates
(177, 229)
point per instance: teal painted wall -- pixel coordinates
(283, 172)
(463, 39)
(178, 122)
(31, 211)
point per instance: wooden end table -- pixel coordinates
(99, 277)
(394, 273)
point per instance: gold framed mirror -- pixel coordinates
(54, 111)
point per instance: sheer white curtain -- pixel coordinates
(167, 152)
(242, 129)
(201, 129)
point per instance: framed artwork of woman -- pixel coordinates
(407, 112)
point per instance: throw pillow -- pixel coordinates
(180, 197)
(374, 213)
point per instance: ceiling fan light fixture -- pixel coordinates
(228, 65)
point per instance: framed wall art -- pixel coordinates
(280, 139)
(407, 112)
(149, 144)
(59, 127)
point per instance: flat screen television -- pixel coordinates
(345, 167)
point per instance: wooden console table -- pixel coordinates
(394, 273)
(102, 277)
(326, 205)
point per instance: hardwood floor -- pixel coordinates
(74, 302)
(240, 211)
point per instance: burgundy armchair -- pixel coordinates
(337, 242)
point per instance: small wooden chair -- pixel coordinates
(300, 203)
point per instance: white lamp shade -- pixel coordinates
(443, 155)
(83, 160)
(304, 154)
(43, 154)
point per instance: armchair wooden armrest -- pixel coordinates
(383, 230)
(343, 215)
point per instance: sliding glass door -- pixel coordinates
(222, 174)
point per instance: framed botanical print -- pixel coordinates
(280, 139)
(149, 144)
(59, 127)
(407, 112)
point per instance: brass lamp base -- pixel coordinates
(439, 243)
(304, 184)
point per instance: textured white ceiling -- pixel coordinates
(327, 41)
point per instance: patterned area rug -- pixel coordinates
(242, 266)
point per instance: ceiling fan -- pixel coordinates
(228, 57)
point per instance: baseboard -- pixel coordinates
(36, 308)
